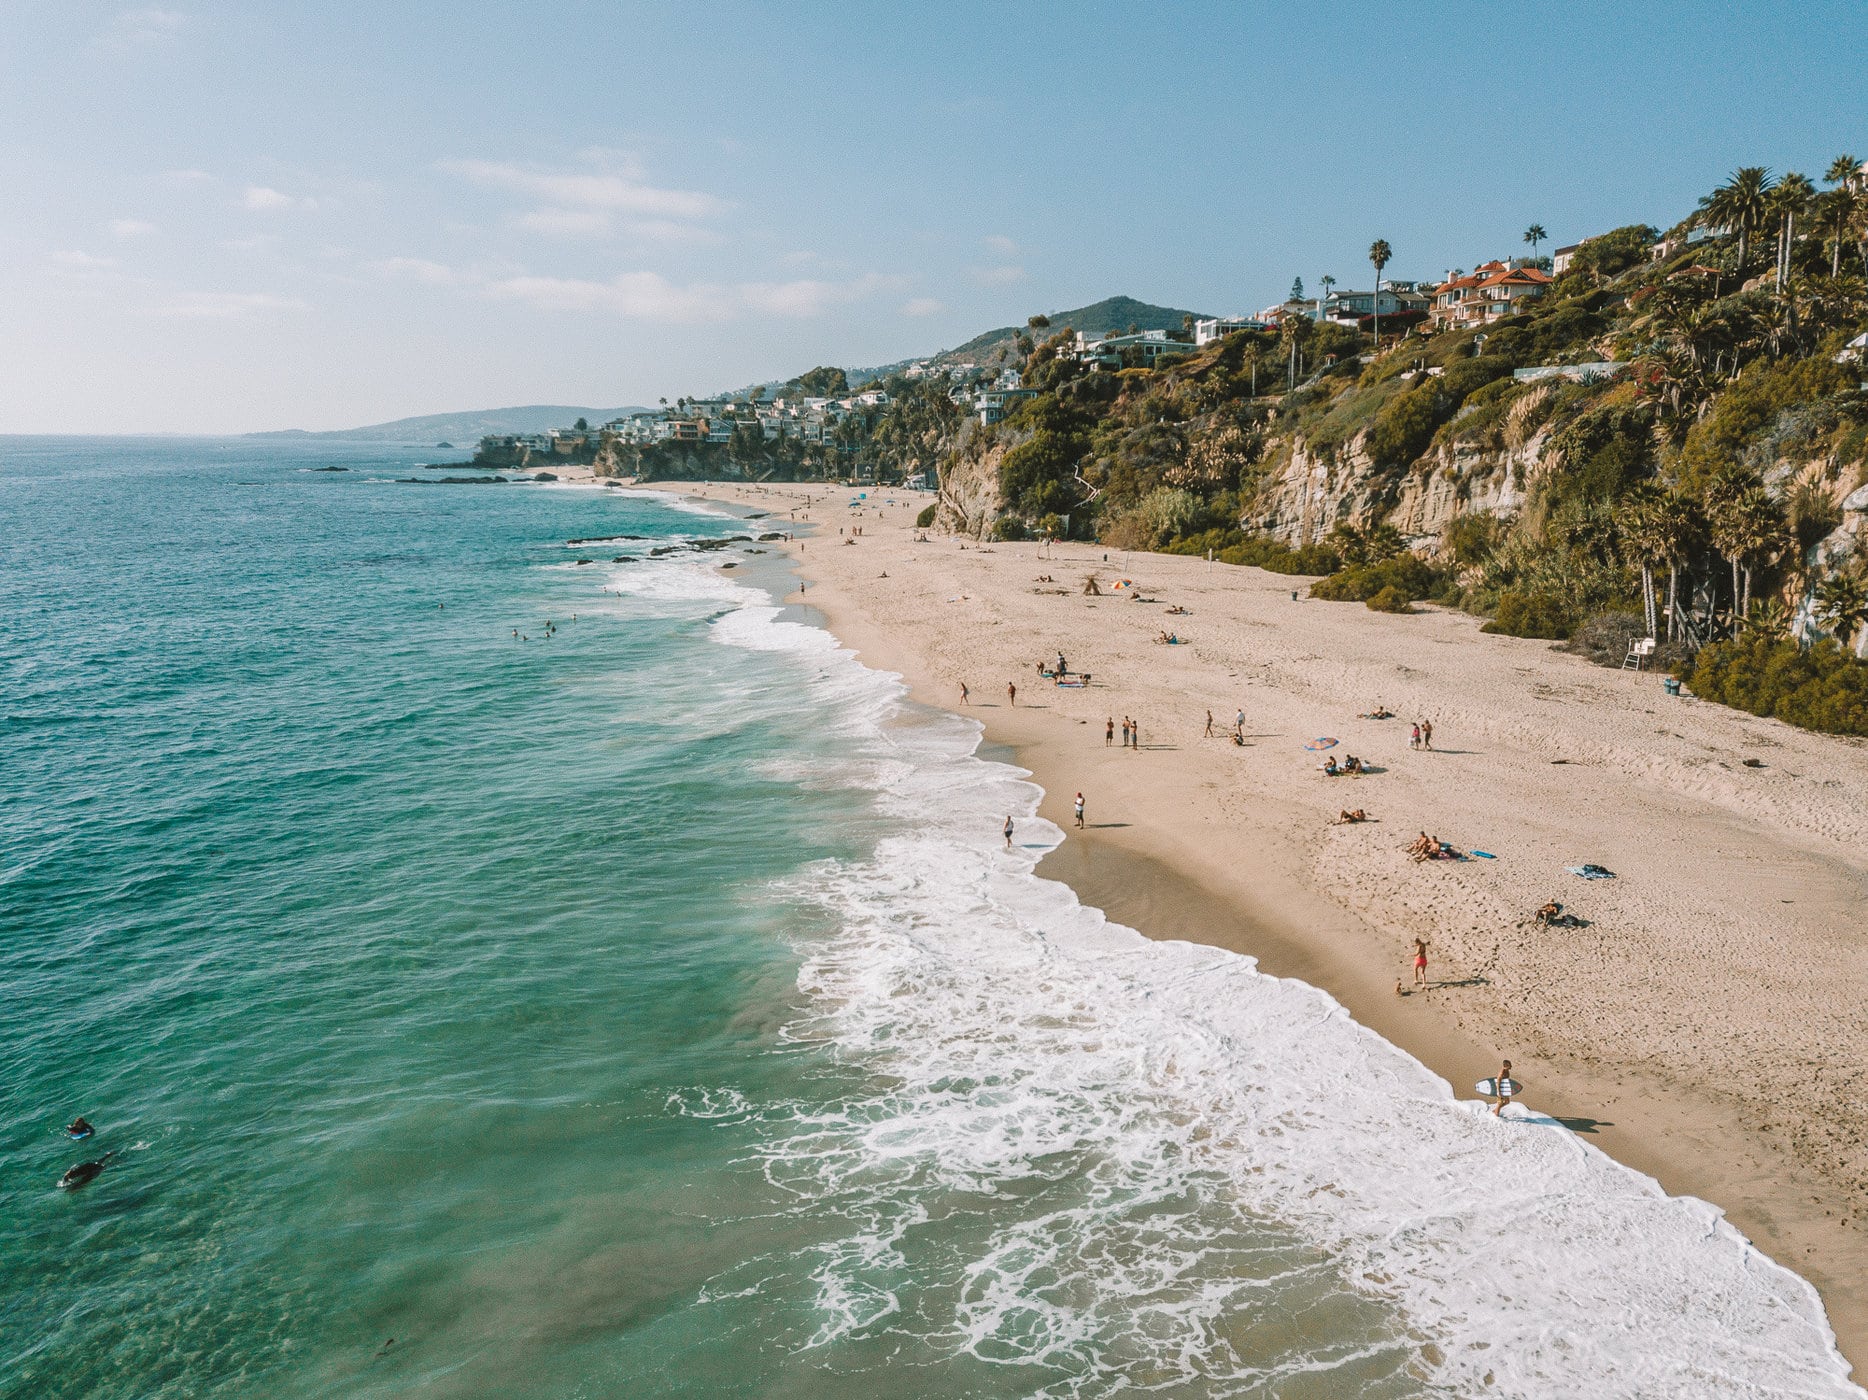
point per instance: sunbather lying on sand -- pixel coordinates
(1379, 712)
(1549, 913)
(1348, 818)
(1353, 766)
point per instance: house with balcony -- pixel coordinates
(1213, 328)
(993, 404)
(1489, 292)
(1143, 347)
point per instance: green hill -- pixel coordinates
(460, 428)
(1115, 314)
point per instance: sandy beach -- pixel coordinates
(1702, 1025)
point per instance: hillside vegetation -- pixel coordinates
(1701, 483)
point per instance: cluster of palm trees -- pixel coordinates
(1751, 530)
(1752, 201)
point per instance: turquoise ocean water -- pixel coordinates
(645, 1008)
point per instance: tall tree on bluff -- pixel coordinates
(1790, 199)
(1842, 606)
(1534, 235)
(1843, 205)
(1742, 203)
(1379, 254)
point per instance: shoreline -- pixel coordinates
(1255, 877)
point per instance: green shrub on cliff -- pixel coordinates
(1391, 600)
(925, 520)
(1408, 576)
(1525, 614)
(1823, 688)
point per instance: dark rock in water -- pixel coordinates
(773, 535)
(755, 551)
(586, 561)
(451, 480)
(544, 476)
(330, 469)
(759, 515)
(729, 565)
(624, 559)
(606, 539)
(444, 447)
(722, 543)
(664, 549)
(455, 467)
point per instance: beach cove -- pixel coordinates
(1700, 1027)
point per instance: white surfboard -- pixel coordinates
(1490, 1088)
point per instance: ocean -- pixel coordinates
(499, 974)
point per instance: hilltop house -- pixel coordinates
(1213, 328)
(1146, 346)
(1485, 294)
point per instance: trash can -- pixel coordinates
(1671, 684)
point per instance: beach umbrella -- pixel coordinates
(1321, 744)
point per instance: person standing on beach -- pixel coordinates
(965, 694)
(1135, 735)
(1109, 729)
(1502, 1084)
(1011, 693)
(1413, 738)
(1079, 806)
(1008, 831)
(1209, 725)
(1426, 734)
(1420, 962)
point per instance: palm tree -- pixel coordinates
(1843, 170)
(1743, 202)
(1294, 330)
(1836, 209)
(1534, 235)
(1842, 605)
(1379, 254)
(1328, 282)
(1791, 198)
(1748, 529)
(1641, 538)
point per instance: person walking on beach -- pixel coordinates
(1426, 734)
(1503, 1085)
(1420, 962)
(1413, 738)
(1079, 806)
(1011, 693)
(1209, 725)
(1008, 831)
(1109, 731)
(965, 694)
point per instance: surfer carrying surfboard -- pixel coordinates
(1503, 1086)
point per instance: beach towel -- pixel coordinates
(1485, 855)
(1590, 872)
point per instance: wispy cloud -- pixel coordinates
(131, 228)
(1000, 276)
(922, 306)
(265, 199)
(648, 296)
(76, 260)
(224, 306)
(623, 192)
(1000, 244)
(146, 28)
(422, 270)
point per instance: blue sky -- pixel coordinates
(224, 217)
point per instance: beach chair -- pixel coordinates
(1638, 654)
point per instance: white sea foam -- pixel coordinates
(1207, 1144)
